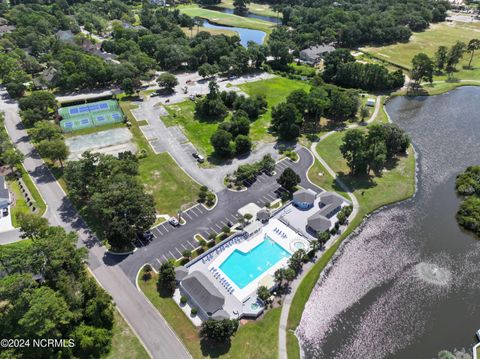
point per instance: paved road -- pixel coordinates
(145, 320)
(169, 242)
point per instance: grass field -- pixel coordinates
(276, 90)
(226, 19)
(396, 184)
(200, 131)
(254, 8)
(125, 344)
(194, 32)
(428, 42)
(254, 340)
(169, 185)
(21, 205)
(197, 131)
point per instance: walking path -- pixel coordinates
(282, 329)
(157, 337)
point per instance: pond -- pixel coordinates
(246, 35)
(407, 285)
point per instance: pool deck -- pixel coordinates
(239, 302)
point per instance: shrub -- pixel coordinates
(194, 311)
(183, 299)
(202, 242)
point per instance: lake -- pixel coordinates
(246, 35)
(407, 285)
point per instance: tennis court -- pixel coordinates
(89, 115)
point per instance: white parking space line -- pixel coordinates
(171, 254)
(200, 209)
(163, 255)
(270, 196)
(183, 246)
(234, 218)
(158, 261)
(224, 223)
(213, 230)
(156, 229)
(220, 228)
(165, 228)
(186, 213)
(178, 251)
(193, 247)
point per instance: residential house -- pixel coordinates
(314, 54)
(4, 193)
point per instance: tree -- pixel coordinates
(343, 104)
(354, 151)
(263, 293)
(268, 164)
(218, 330)
(473, 45)
(54, 150)
(15, 89)
(323, 237)
(12, 158)
(222, 143)
(454, 55)
(286, 120)
(441, 58)
(364, 113)
(207, 70)
(166, 277)
(422, 69)
(241, 5)
(32, 226)
(289, 179)
(333, 60)
(45, 130)
(167, 81)
(131, 85)
(295, 262)
(91, 341)
(243, 144)
(376, 148)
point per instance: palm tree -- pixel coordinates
(473, 45)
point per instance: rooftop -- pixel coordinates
(207, 296)
(304, 195)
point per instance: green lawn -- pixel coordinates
(170, 186)
(254, 8)
(257, 339)
(226, 19)
(396, 184)
(276, 90)
(168, 183)
(194, 32)
(125, 344)
(20, 204)
(372, 192)
(319, 175)
(197, 130)
(428, 42)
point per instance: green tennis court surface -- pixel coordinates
(88, 115)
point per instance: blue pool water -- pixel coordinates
(242, 267)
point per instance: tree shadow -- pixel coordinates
(214, 349)
(164, 291)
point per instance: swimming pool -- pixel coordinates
(242, 268)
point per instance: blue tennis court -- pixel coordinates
(87, 115)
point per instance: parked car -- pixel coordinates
(5, 212)
(173, 221)
(199, 157)
(145, 236)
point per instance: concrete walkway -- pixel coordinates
(282, 330)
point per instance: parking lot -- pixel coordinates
(169, 241)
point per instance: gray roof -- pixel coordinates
(317, 51)
(4, 196)
(180, 273)
(318, 223)
(203, 292)
(263, 214)
(328, 202)
(304, 195)
(220, 315)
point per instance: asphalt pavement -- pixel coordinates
(169, 242)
